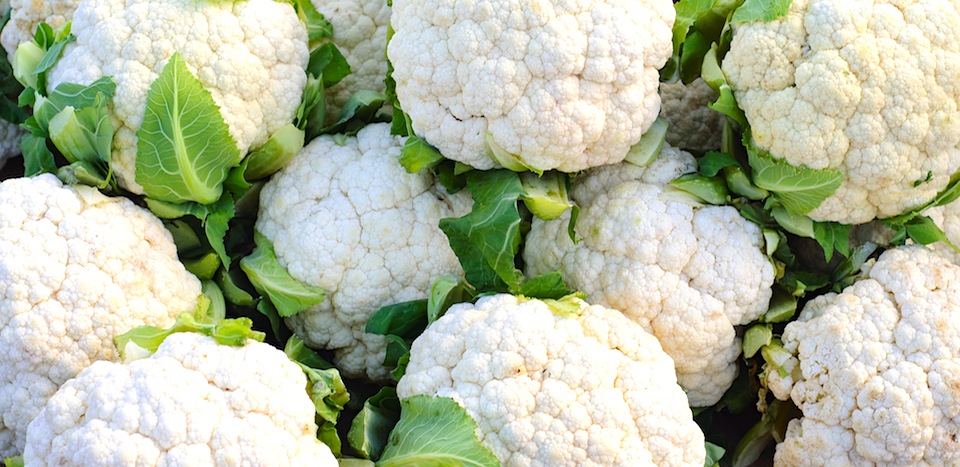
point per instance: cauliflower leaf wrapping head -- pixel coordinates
(687, 274)
(76, 269)
(26, 15)
(349, 219)
(877, 367)
(250, 54)
(867, 87)
(545, 389)
(360, 33)
(193, 401)
(559, 85)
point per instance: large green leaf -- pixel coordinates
(289, 295)
(435, 431)
(184, 147)
(799, 189)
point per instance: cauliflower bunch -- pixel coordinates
(76, 269)
(193, 401)
(586, 388)
(687, 273)
(26, 15)
(250, 55)
(866, 87)
(349, 219)
(534, 84)
(877, 367)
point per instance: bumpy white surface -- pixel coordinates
(350, 219)
(10, 134)
(868, 87)
(549, 390)
(76, 269)
(879, 368)
(693, 125)
(193, 402)
(564, 85)
(249, 54)
(687, 274)
(26, 15)
(360, 33)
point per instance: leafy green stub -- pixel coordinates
(760, 10)
(714, 454)
(709, 190)
(371, 427)
(505, 158)
(651, 143)
(755, 338)
(435, 431)
(283, 145)
(325, 387)
(184, 147)
(215, 218)
(289, 295)
(233, 332)
(799, 189)
(488, 238)
(16, 461)
(417, 155)
(546, 195)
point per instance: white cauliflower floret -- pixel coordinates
(867, 87)
(693, 125)
(360, 33)
(878, 368)
(26, 15)
(76, 269)
(192, 402)
(688, 274)
(545, 389)
(349, 219)
(250, 54)
(558, 85)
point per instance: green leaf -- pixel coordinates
(488, 238)
(695, 48)
(215, 219)
(204, 267)
(760, 10)
(232, 291)
(739, 184)
(688, 12)
(289, 295)
(16, 461)
(782, 307)
(97, 95)
(400, 319)
(184, 147)
(361, 108)
(546, 195)
(371, 427)
(435, 431)
(326, 62)
(83, 135)
(83, 173)
(545, 286)
(832, 236)
(506, 159)
(713, 75)
(233, 332)
(265, 308)
(446, 291)
(325, 387)
(417, 155)
(648, 148)
(799, 189)
(37, 158)
(755, 338)
(283, 145)
(924, 231)
(318, 28)
(711, 190)
(714, 454)
(714, 161)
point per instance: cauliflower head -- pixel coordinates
(867, 87)
(76, 269)
(877, 368)
(250, 54)
(546, 389)
(688, 274)
(557, 85)
(10, 134)
(360, 33)
(26, 15)
(349, 219)
(693, 125)
(193, 401)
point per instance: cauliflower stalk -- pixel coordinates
(347, 218)
(585, 387)
(193, 400)
(687, 273)
(875, 367)
(78, 269)
(539, 86)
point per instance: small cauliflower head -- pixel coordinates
(548, 389)
(693, 125)
(553, 85)
(877, 368)
(349, 219)
(194, 401)
(250, 54)
(687, 273)
(26, 15)
(76, 269)
(360, 33)
(867, 87)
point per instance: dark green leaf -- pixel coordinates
(371, 427)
